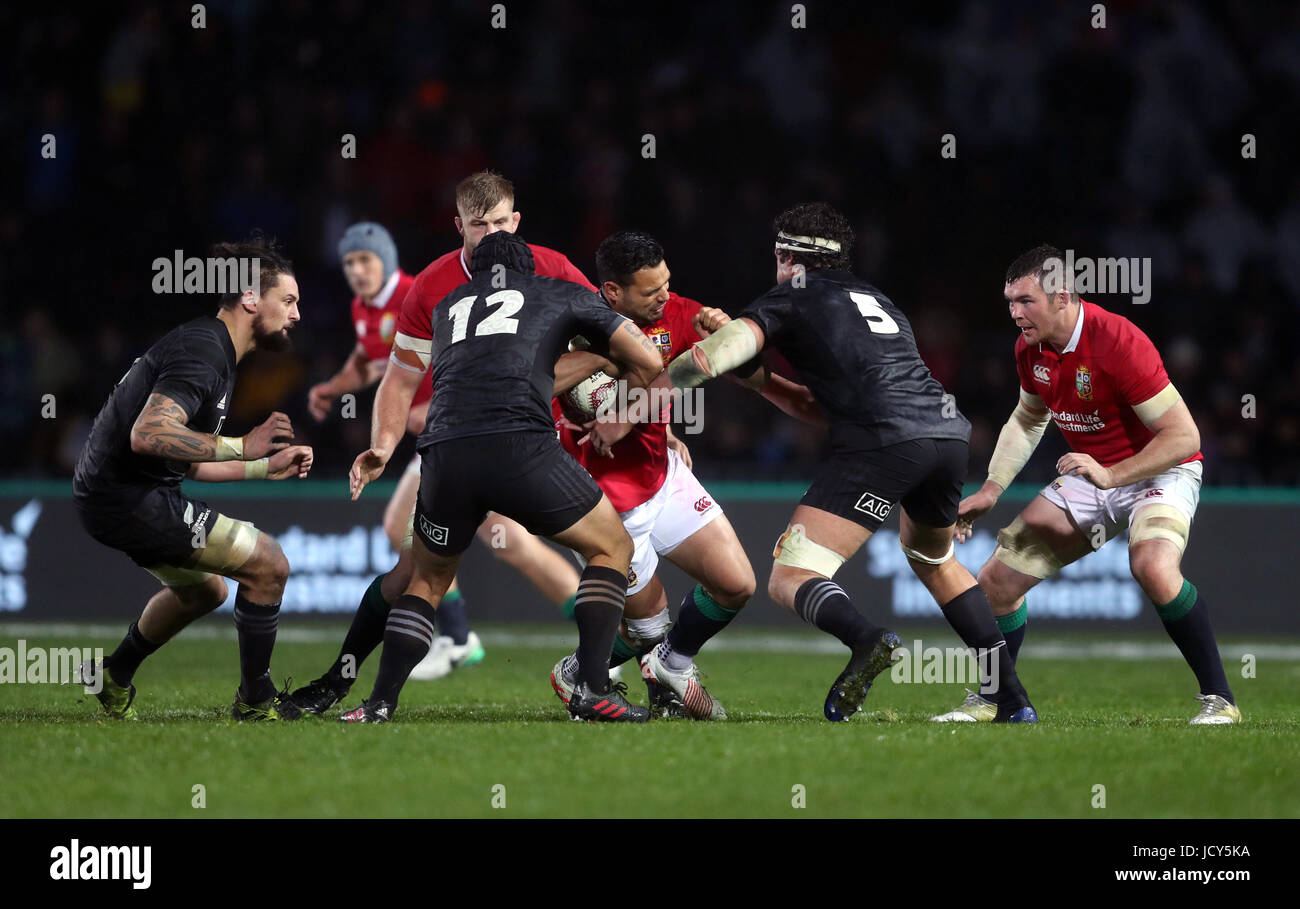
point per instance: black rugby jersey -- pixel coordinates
(494, 352)
(194, 365)
(855, 351)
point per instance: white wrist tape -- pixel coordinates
(730, 346)
(229, 448)
(257, 470)
(1017, 441)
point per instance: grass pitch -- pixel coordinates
(1116, 722)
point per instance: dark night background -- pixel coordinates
(1122, 141)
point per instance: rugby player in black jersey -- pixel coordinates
(895, 436)
(490, 445)
(161, 424)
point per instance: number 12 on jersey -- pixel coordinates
(498, 322)
(878, 320)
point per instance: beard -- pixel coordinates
(265, 339)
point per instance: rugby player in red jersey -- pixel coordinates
(484, 204)
(1135, 463)
(647, 476)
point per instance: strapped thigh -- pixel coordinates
(1159, 522)
(796, 550)
(1020, 548)
(229, 546)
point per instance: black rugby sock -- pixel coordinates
(364, 635)
(453, 622)
(126, 659)
(1187, 619)
(700, 618)
(408, 635)
(602, 593)
(256, 626)
(823, 603)
(971, 617)
(1013, 627)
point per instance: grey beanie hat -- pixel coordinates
(370, 237)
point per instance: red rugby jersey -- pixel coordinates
(445, 274)
(640, 463)
(376, 326)
(1090, 388)
(448, 272)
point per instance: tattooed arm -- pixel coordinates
(160, 432)
(635, 354)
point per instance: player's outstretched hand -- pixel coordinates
(319, 400)
(604, 435)
(294, 461)
(366, 468)
(709, 319)
(563, 422)
(262, 441)
(971, 509)
(1081, 465)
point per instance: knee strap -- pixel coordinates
(922, 557)
(797, 551)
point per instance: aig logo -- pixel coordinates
(436, 533)
(1043, 374)
(874, 505)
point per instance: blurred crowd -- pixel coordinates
(1125, 140)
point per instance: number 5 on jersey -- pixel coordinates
(878, 320)
(498, 322)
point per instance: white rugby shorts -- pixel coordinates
(657, 527)
(1114, 509)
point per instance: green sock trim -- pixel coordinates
(374, 597)
(450, 596)
(711, 608)
(623, 651)
(1013, 620)
(569, 605)
(1180, 605)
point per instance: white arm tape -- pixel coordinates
(421, 347)
(730, 346)
(1018, 439)
(1156, 406)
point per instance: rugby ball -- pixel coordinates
(581, 402)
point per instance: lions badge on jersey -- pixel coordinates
(388, 327)
(1083, 383)
(663, 339)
